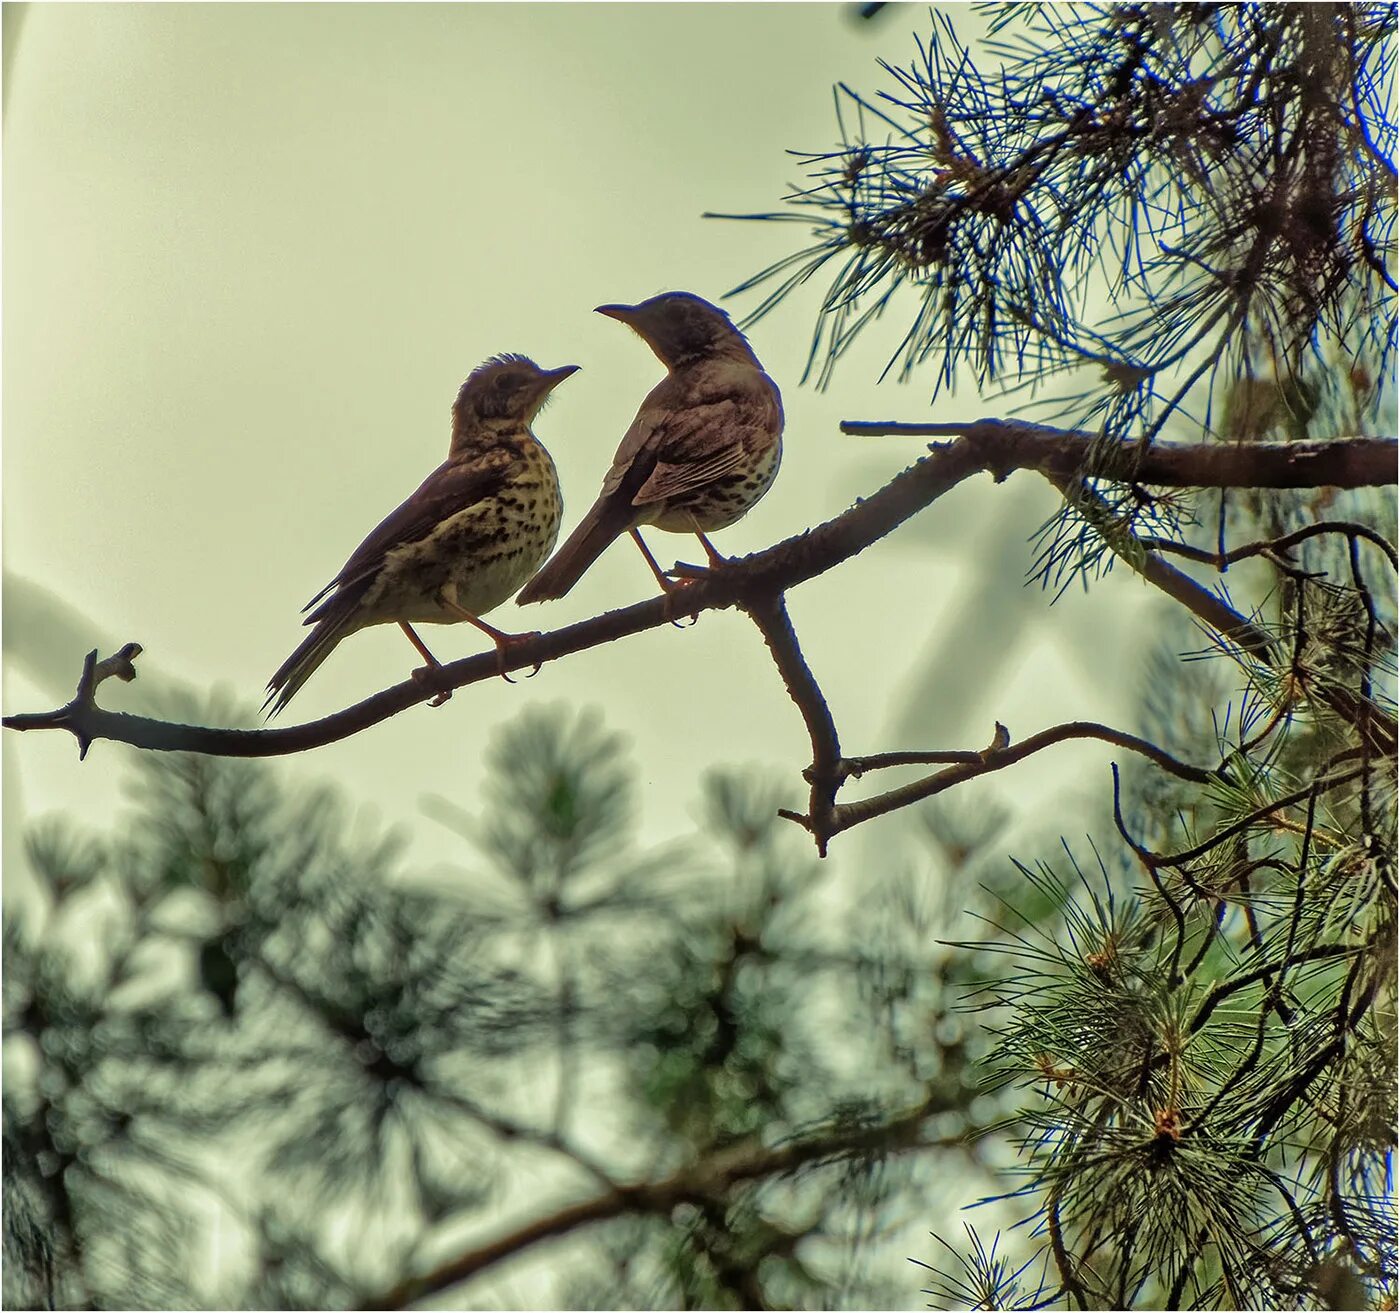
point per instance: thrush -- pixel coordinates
(475, 530)
(702, 450)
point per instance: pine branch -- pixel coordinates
(707, 1180)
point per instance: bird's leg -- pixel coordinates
(422, 675)
(669, 586)
(502, 640)
(687, 572)
(661, 576)
(715, 557)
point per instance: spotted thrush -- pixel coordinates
(703, 448)
(477, 527)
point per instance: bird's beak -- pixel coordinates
(549, 380)
(635, 319)
(557, 376)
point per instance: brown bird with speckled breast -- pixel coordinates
(477, 527)
(702, 450)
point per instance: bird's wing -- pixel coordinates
(673, 478)
(448, 490)
(671, 450)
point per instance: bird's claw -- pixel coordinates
(672, 592)
(502, 649)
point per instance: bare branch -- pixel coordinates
(748, 579)
(855, 767)
(74, 717)
(1364, 462)
(824, 774)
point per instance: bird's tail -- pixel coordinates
(584, 546)
(302, 664)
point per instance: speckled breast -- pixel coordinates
(478, 557)
(514, 537)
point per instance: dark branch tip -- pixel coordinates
(120, 665)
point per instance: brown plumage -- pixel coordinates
(703, 448)
(477, 527)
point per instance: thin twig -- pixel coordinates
(1321, 785)
(998, 755)
(1318, 953)
(1076, 729)
(1201, 602)
(1220, 559)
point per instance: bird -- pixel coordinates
(703, 448)
(475, 530)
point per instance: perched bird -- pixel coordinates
(476, 529)
(703, 448)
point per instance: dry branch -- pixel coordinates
(965, 766)
(750, 579)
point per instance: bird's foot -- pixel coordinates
(427, 676)
(503, 645)
(675, 591)
(503, 641)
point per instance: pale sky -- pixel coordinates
(250, 253)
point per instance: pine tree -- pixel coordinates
(1165, 221)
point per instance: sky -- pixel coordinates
(250, 253)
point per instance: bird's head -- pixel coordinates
(681, 327)
(506, 388)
